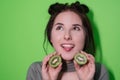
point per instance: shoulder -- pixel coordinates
(36, 66)
(34, 71)
(38, 63)
(101, 72)
(102, 68)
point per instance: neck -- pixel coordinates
(68, 66)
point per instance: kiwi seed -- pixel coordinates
(81, 59)
(55, 61)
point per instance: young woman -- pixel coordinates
(69, 32)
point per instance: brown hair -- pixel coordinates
(79, 9)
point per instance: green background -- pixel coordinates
(22, 24)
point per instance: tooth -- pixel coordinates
(68, 45)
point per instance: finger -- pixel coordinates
(91, 58)
(58, 69)
(91, 69)
(45, 61)
(77, 67)
(54, 53)
(83, 52)
(91, 63)
(86, 54)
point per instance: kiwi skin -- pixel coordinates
(55, 61)
(81, 56)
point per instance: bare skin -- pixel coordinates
(64, 37)
(85, 72)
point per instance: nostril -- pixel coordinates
(67, 37)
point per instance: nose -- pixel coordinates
(67, 36)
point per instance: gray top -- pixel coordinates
(34, 71)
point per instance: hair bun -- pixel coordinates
(57, 7)
(85, 8)
(82, 8)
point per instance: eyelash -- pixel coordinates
(59, 28)
(76, 28)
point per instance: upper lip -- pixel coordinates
(68, 45)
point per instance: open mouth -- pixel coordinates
(67, 46)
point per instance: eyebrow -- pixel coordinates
(59, 24)
(77, 25)
(73, 24)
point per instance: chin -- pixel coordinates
(67, 58)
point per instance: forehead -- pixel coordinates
(68, 16)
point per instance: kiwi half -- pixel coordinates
(55, 61)
(81, 59)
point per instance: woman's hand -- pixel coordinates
(49, 73)
(86, 72)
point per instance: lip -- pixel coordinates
(67, 46)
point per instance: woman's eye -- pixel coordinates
(76, 28)
(59, 28)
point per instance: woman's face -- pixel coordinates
(67, 35)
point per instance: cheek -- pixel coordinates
(55, 37)
(55, 40)
(80, 41)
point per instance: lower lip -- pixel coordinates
(67, 49)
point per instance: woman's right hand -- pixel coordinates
(49, 73)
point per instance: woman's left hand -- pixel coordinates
(86, 72)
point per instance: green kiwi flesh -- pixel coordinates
(81, 59)
(55, 61)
